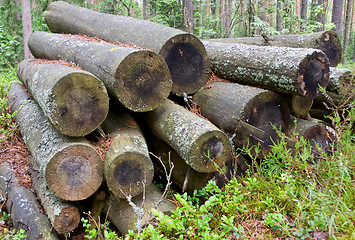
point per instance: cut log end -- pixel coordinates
(300, 105)
(67, 220)
(331, 46)
(146, 81)
(75, 172)
(188, 63)
(320, 136)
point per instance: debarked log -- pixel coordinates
(184, 53)
(75, 101)
(341, 81)
(200, 143)
(127, 166)
(71, 166)
(23, 207)
(326, 41)
(282, 69)
(139, 79)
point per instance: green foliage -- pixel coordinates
(11, 234)
(96, 230)
(166, 12)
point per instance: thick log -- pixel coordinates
(127, 164)
(72, 168)
(341, 81)
(121, 213)
(184, 54)
(246, 113)
(23, 207)
(289, 70)
(75, 101)
(326, 41)
(200, 143)
(139, 79)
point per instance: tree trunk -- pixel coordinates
(75, 101)
(278, 15)
(341, 81)
(184, 54)
(23, 207)
(327, 41)
(187, 13)
(144, 9)
(139, 79)
(346, 31)
(127, 164)
(72, 168)
(304, 14)
(321, 16)
(201, 144)
(27, 26)
(282, 69)
(337, 14)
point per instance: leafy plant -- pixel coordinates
(97, 230)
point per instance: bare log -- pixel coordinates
(72, 168)
(184, 54)
(326, 41)
(139, 79)
(23, 207)
(341, 81)
(75, 101)
(289, 70)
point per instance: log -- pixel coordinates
(245, 113)
(299, 105)
(326, 41)
(71, 166)
(289, 70)
(125, 218)
(127, 164)
(22, 205)
(139, 79)
(341, 81)
(184, 53)
(74, 101)
(200, 143)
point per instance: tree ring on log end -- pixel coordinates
(331, 46)
(188, 63)
(128, 173)
(67, 221)
(145, 80)
(75, 172)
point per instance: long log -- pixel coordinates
(23, 207)
(200, 143)
(139, 79)
(127, 164)
(72, 168)
(289, 70)
(246, 113)
(341, 81)
(184, 54)
(75, 101)
(327, 41)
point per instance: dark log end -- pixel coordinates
(330, 44)
(146, 80)
(320, 136)
(188, 63)
(67, 220)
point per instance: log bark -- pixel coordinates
(341, 81)
(200, 143)
(289, 70)
(127, 164)
(74, 101)
(23, 207)
(245, 113)
(326, 41)
(72, 168)
(139, 79)
(184, 54)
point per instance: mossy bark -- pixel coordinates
(23, 207)
(72, 168)
(326, 41)
(282, 69)
(200, 143)
(341, 81)
(139, 79)
(75, 101)
(184, 53)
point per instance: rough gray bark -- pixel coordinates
(304, 14)
(139, 79)
(75, 101)
(23, 207)
(278, 15)
(184, 54)
(346, 30)
(282, 69)
(72, 168)
(26, 26)
(187, 14)
(321, 16)
(337, 14)
(341, 81)
(200, 143)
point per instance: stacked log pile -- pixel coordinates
(63, 105)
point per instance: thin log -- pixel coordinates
(139, 79)
(282, 69)
(184, 53)
(326, 41)
(23, 207)
(341, 81)
(74, 101)
(72, 168)
(299, 105)
(200, 143)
